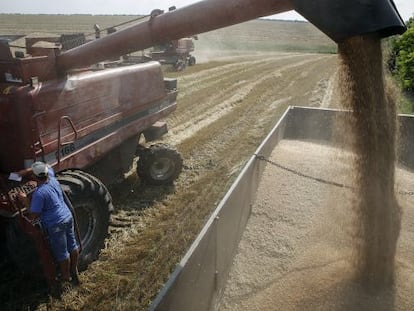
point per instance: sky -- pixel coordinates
(135, 7)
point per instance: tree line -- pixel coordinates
(401, 59)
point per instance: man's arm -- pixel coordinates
(17, 176)
(24, 172)
(24, 200)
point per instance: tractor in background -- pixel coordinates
(176, 53)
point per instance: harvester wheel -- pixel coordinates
(92, 204)
(22, 250)
(179, 65)
(159, 165)
(191, 61)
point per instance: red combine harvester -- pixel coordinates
(85, 123)
(175, 52)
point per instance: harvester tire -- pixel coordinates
(159, 165)
(22, 250)
(92, 206)
(179, 65)
(191, 61)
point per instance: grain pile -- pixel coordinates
(297, 250)
(311, 246)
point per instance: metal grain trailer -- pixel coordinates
(198, 281)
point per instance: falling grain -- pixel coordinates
(373, 131)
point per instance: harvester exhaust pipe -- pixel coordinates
(339, 19)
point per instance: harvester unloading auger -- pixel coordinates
(337, 19)
(54, 108)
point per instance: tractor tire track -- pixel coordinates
(226, 100)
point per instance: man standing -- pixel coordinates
(49, 206)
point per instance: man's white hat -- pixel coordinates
(39, 169)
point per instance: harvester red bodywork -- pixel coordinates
(54, 119)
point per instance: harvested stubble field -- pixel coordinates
(227, 105)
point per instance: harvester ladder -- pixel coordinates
(38, 145)
(60, 143)
(38, 148)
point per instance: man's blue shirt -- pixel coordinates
(48, 202)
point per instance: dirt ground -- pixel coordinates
(296, 251)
